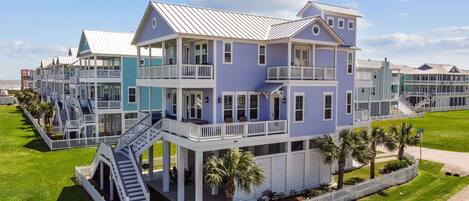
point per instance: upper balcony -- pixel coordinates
(102, 75)
(300, 73)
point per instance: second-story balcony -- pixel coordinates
(300, 73)
(188, 75)
(101, 74)
(106, 105)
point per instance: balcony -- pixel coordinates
(186, 75)
(107, 105)
(362, 116)
(300, 73)
(101, 73)
(437, 82)
(222, 131)
(395, 80)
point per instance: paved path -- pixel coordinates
(462, 195)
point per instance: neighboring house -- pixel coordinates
(435, 87)
(27, 79)
(377, 88)
(233, 80)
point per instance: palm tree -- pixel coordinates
(404, 135)
(236, 169)
(48, 112)
(377, 137)
(350, 143)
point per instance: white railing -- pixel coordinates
(397, 116)
(363, 115)
(437, 81)
(73, 124)
(222, 131)
(182, 71)
(88, 118)
(102, 73)
(363, 189)
(128, 123)
(109, 104)
(395, 79)
(449, 108)
(300, 73)
(83, 174)
(141, 126)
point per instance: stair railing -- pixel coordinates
(139, 142)
(136, 165)
(132, 132)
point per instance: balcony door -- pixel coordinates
(275, 107)
(301, 56)
(194, 104)
(201, 53)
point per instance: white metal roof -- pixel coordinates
(73, 52)
(211, 22)
(287, 29)
(113, 43)
(368, 63)
(66, 60)
(46, 62)
(427, 69)
(330, 8)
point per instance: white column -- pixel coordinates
(163, 102)
(101, 175)
(150, 163)
(149, 55)
(179, 104)
(96, 96)
(289, 58)
(199, 175)
(214, 98)
(166, 164)
(179, 54)
(149, 100)
(111, 187)
(163, 52)
(182, 153)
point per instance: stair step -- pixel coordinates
(134, 194)
(126, 169)
(127, 173)
(134, 189)
(124, 162)
(125, 166)
(132, 185)
(136, 198)
(133, 176)
(130, 181)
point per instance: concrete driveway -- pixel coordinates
(455, 162)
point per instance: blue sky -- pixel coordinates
(407, 32)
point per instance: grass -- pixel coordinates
(431, 184)
(29, 171)
(442, 130)
(361, 174)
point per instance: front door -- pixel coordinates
(275, 106)
(195, 105)
(301, 56)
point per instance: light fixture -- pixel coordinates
(206, 99)
(219, 99)
(168, 95)
(284, 100)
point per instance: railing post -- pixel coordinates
(266, 125)
(246, 129)
(223, 130)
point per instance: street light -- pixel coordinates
(420, 135)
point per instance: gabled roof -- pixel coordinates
(435, 69)
(46, 62)
(73, 52)
(330, 8)
(111, 43)
(368, 63)
(66, 60)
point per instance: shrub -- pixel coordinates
(393, 166)
(323, 188)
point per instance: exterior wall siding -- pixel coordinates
(162, 28)
(307, 34)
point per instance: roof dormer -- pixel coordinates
(313, 8)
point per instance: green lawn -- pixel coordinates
(29, 171)
(361, 174)
(431, 184)
(443, 130)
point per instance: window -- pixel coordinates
(350, 63)
(330, 21)
(341, 23)
(241, 107)
(201, 56)
(228, 108)
(132, 95)
(174, 101)
(328, 106)
(351, 25)
(297, 146)
(373, 91)
(153, 23)
(261, 53)
(316, 30)
(349, 102)
(227, 50)
(253, 106)
(299, 108)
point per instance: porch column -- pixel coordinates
(289, 59)
(149, 101)
(179, 104)
(214, 98)
(182, 154)
(163, 52)
(179, 54)
(150, 163)
(199, 175)
(137, 88)
(101, 175)
(149, 55)
(111, 187)
(96, 97)
(166, 164)
(163, 102)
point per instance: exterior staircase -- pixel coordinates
(405, 106)
(123, 158)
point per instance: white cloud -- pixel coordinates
(403, 14)
(417, 48)
(18, 48)
(363, 23)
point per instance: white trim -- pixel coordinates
(333, 22)
(298, 94)
(343, 23)
(259, 54)
(324, 106)
(231, 52)
(347, 103)
(128, 94)
(298, 40)
(349, 21)
(232, 94)
(319, 29)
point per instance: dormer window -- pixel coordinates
(351, 25)
(341, 23)
(330, 21)
(316, 30)
(153, 22)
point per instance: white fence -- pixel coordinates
(182, 71)
(224, 130)
(68, 143)
(372, 186)
(397, 116)
(81, 174)
(300, 73)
